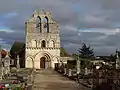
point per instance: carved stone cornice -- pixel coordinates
(48, 48)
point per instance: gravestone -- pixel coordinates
(78, 66)
(70, 73)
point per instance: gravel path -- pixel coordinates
(51, 80)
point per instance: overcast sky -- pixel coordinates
(95, 22)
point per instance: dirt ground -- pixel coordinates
(51, 80)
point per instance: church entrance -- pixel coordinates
(42, 62)
(45, 62)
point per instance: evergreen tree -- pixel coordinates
(86, 51)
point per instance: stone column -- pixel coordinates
(117, 61)
(1, 70)
(65, 71)
(0, 52)
(70, 72)
(18, 64)
(86, 71)
(0, 65)
(78, 65)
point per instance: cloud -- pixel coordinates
(110, 4)
(96, 20)
(104, 41)
(10, 15)
(1, 41)
(4, 45)
(6, 30)
(102, 30)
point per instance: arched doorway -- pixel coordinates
(29, 62)
(42, 62)
(45, 62)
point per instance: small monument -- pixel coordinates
(117, 60)
(78, 65)
(18, 65)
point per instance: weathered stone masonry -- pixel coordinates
(42, 41)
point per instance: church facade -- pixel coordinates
(42, 41)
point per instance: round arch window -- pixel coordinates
(43, 44)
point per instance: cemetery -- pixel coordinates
(41, 55)
(92, 77)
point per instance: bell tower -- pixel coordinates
(42, 35)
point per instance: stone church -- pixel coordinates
(42, 41)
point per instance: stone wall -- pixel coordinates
(64, 59)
